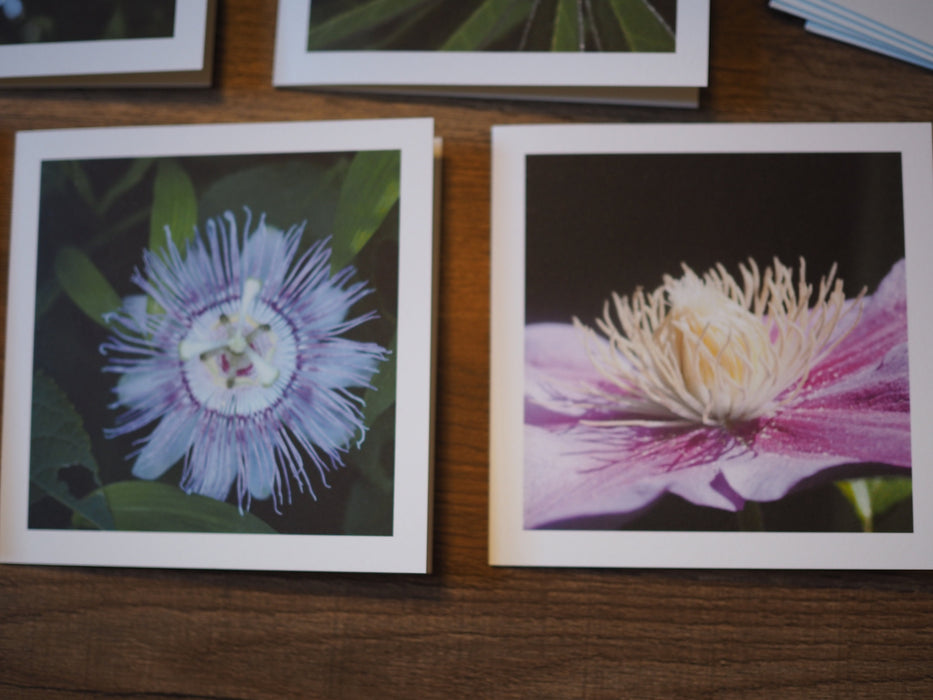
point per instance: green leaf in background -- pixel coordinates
(152, 506)
(491, 20)
(84, 284)
(133, 175)
(369, 192)
(82, 184)
(116, 26)
(480, 25)
(369, 511)
(370, 504)
(289, 192)
(47, 292)
(382, 395)
(359, 19)
(392, 34)
(643, 28)
(567, 30)
(875, 496)
(377, 453)
(58, 440)
(174, 204)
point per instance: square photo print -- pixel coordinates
(710, 346)
(213, 343)
(649, 51)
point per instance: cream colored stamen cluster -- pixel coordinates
(715, 350)
(228, 354)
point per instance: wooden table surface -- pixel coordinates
(469, 630)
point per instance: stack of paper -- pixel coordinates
(902, 29)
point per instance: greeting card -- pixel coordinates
(209, 327)
(707, 346)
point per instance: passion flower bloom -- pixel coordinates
(234, 360)
(718, 390)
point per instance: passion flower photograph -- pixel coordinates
(215, 344)
(716, 342)
(647, 26)
(48, 21)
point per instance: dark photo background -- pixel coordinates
(598, 224)
(602, 223)
(88, 20)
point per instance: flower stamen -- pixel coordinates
(713, 351)
(231, 354)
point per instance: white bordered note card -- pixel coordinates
(708, 346)
(645, 51)
(112, 43)
(210, 326)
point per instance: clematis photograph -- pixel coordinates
(714, 341)
(494, 25)
(216, 342)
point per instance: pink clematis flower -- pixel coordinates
(717, 390)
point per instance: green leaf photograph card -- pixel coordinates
(209, 344)
(707, 349)
(634, 51)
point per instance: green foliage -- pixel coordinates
(357, 19)
(567, 35)
(82, 184)
(369, 192)
(368, 512)
(174, 205)
(376, 457)
(641, 27)
(490, 25)
(491, 21)
(84, 284)
(133, 176)
(156, 507)
(59, 441)
(288, 192)
(369, 507)
(382, 395)
(873, 497)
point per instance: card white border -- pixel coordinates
(182, 52)
(509, 543)
(685, 67)
(407, 549)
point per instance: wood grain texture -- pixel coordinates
(470, 630)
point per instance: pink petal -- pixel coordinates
(853, 408)
(583, 472)
(882, 327)
(864, 417)
(555, 359)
